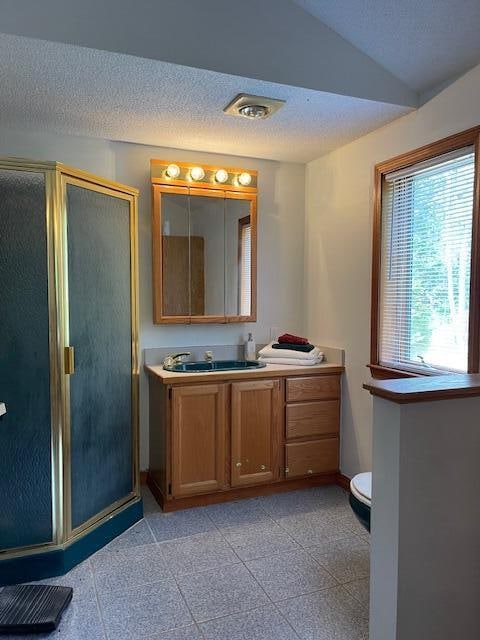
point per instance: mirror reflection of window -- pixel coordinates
(244, 265)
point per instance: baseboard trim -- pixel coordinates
(57, 562)
(239, 493)
(343, 481)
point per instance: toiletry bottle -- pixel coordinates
(250, 348)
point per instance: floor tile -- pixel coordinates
(290, 574)
(80, 578)
(347, 559)
(360, 590)
(221, 592)
(314, 528)
(136, 536)
(258, 540)
(197, 553)
(126, 568)
(150, 505)
(144, 611)
(265, 623)
(330, 494)
(185, 633)
(279, 505)
(230, 514)
(350, 520)
(81, 621)
(331, 614)
(179, 524)
(349, 541)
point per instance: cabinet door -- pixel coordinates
(198, 439)
(256, 431)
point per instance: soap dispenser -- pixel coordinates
(250, 348)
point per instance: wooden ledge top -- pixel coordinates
(425, 389)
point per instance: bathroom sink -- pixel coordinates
(215, 365)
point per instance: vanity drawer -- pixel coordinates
(313, 418)
(313, 388)
(314, 456)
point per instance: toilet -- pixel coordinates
(361, 497)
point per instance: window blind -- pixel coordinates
(245, 269)
(427, 214)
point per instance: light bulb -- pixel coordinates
(197, 173)
(254, 111)
(221, 175)
(245, 179)
(173, 171)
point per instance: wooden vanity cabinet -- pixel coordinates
(219, 438)
(312, 425)
(198, 439)
(256, 431)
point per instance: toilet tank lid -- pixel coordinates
(361, 487)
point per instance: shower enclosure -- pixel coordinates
(69, 478)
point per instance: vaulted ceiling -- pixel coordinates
(160, 71)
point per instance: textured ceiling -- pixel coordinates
(80, 91)
(422, 42)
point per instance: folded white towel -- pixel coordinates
(293, 361)
(269, 352)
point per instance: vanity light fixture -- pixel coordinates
(244, 179)
(197, 173)
(253, 107)
(221, 176)
(173, 171)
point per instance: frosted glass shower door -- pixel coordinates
(25, 429)
(100, 316)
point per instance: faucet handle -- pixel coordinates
(173, 358)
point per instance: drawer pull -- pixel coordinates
(287, 470)
(310, 471)
(263, 467)
(238, 464)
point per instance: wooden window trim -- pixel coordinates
(470, 137)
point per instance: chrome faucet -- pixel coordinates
(209, 356)
(175, 358)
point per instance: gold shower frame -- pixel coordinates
(57, 177)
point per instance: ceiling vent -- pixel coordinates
(253, 107)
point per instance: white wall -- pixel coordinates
(338, 228)
(281, 208)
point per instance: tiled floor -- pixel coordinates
(284, 567)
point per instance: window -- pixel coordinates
(245, 265)
(424, 302)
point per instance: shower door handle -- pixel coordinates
(69, 361)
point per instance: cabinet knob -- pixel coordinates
(287, 470)
(310, 471)
(238, 464)
(263, 467)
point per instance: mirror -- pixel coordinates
(207, 234)
(238, 258)
(204, 251)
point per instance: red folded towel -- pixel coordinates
(288, 337)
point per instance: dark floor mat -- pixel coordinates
(32, 608)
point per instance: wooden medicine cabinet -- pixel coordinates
(204, 227)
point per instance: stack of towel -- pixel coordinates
(290, 349)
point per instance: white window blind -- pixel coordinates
(245, 289)
(425, 266)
